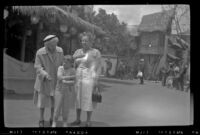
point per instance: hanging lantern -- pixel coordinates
(63, 28)
(73, 31)
(34, 19)
(5, 14)
(28, 32)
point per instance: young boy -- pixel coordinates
(64, 90)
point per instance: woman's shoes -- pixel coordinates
(53, 124)
(41, 123)
(77, 122)
(88, 124)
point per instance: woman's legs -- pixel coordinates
(42, 114)
(78, 114)
(41, 121)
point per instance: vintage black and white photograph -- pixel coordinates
(97, 66)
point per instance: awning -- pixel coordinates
(183, 42)
(174, 44)
(172, 56)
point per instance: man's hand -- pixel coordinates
(48, 77)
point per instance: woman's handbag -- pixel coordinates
(96, 95)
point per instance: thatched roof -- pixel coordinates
(61, 14)
(156, 21)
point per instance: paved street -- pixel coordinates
(123, 105)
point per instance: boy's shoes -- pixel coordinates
(77, 122)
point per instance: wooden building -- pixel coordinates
(153, 29)
(28, 25)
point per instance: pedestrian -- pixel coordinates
(120, 70)
(64, 94)
(89, 63)
(108, 67)
(180, 78)
(141, 71)
(47, 61)
(176, 77)
(169, 76)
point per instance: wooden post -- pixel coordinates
(164, 57)
(5, 34)
(23, 47)
(39, 29)
(70, 46)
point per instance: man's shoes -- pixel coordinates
(77, 122)
(50, 122)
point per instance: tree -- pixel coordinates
(181, 21)
(119, 39)
(180, 24)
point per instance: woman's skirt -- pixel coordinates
(43, 101)
(83, 88)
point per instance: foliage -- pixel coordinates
(181, 25)
(118, 38)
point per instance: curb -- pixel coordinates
(112, 80)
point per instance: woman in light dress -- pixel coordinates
(88, 61)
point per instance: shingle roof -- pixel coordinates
(156, 21)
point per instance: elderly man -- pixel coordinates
(47, 61)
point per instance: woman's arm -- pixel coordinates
(78, 54)
(39, 67)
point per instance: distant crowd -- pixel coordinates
(172, 76)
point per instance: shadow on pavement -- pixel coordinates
(11, 95)
(16, 96)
